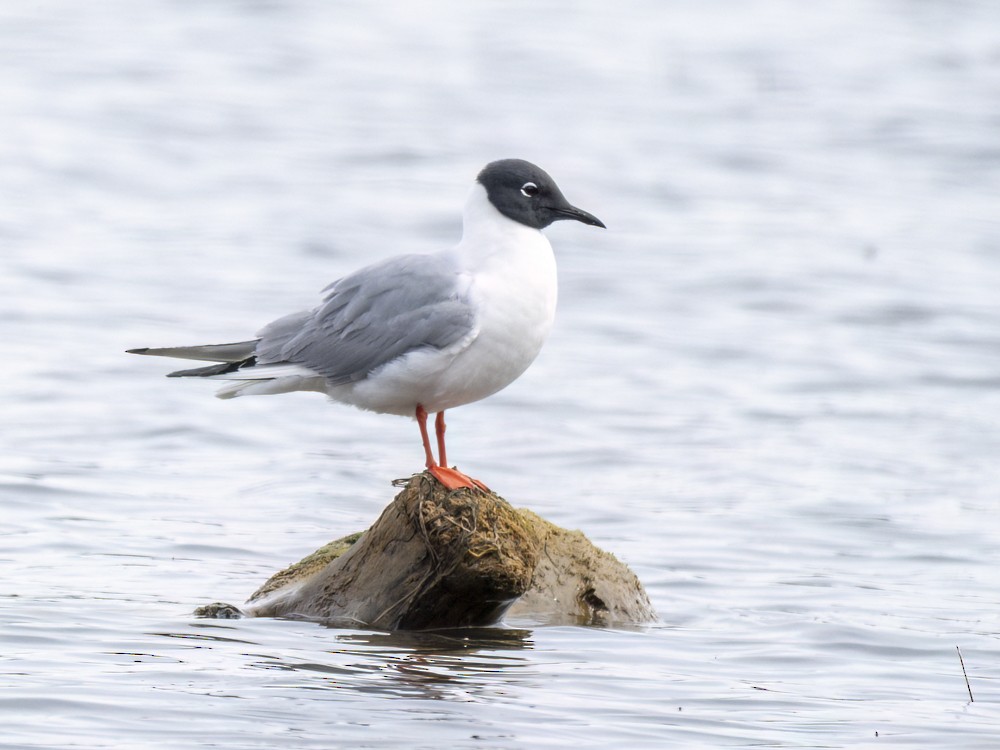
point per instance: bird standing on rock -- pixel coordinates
(419, 334)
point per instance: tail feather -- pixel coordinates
(206, 372)
(238, 361)
(268, 387)
(236, 352)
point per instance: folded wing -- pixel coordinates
(366, 320)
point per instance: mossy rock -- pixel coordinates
(437, 558)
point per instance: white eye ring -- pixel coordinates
(529, 189)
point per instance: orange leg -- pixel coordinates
(453, 479)
(439, 428)
(422, 421)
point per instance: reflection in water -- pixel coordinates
(457, 640)
(440, 665)
(459, 664)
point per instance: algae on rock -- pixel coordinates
(441, 559)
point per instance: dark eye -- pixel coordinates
(529, 189)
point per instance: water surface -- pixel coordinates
(772, 389)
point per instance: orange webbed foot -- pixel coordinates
(453, 479)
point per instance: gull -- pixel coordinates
(414, 334)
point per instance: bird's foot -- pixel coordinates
(453, 479)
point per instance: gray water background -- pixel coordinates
(773, 388)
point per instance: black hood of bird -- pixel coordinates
(526, 193)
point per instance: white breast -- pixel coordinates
(515, 291)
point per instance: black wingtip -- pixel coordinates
(223, 368)
(142, 350)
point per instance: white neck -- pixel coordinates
(487, 233)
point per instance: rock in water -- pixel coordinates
(442, 559)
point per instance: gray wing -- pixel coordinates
(372, 317)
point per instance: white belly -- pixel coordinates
(515, 293)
